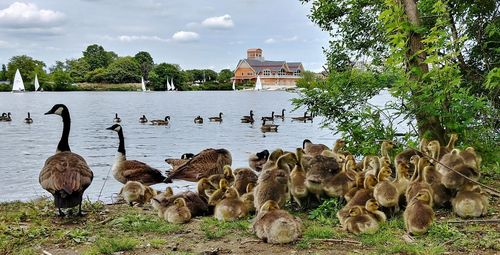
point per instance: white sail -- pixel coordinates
(18, 85)
(37, 85)
(258, 84)
(234, 84)
(143, 84)
(168, 85)
(172, 84)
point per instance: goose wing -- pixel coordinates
(65, 171)
(206, 163)
(139, 171)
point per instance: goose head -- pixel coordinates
(167, 118)
(115, 127)
(58, 109)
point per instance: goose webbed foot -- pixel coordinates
(61, 213)
(80, 213)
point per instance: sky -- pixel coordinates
(195, 34)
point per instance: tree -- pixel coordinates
(146, 63)
(411, 49)
(122, 70)
(78, 69)
(97, 57)
(225, 75)
(3, 73)
(165, 72)
(27, 66)
(61, 80)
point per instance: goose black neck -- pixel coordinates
(63, 143)
(121, 146)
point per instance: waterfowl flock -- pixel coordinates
(374, 188)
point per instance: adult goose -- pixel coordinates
(269, 118)
(303, 118)
(216, 119)
(6, 117)
(268, 127)
(282, 116)
(117, 119)
(65, 175)
(204, 164)
(28, 120)
(132, 170)
(163, 122)
(248, 118)
(143, 119)
(198, 120)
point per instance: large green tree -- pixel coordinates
(78, 69)
(122, 70)
(28, 67)
(97, 57)
(165, 72)
(414, 50)
(225, 75)
(3, 73)
(145, 62)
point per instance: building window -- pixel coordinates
(266, 72)
(297, 73)
(249, 73)
(282, 72)
(242, 74)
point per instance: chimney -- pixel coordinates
(255, 53)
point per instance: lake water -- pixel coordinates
(24, 148)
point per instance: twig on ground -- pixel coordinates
(338, 241)
(251, 241)
(482, 221)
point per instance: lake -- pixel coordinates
(24, 148)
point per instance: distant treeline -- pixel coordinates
(100, 66)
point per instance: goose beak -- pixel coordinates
(110, 128)
(47, 113)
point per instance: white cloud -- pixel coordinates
(221, 22)
(23, 15)
(130, 38)
(281, 39)
(4, 44)
(186, 36)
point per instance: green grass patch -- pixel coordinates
(136, 222)
(326, 213)
(157, 243)
(214, 229)
(111, 245)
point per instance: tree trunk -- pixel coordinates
(430, 126)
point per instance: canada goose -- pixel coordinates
(385, 147)
(197, 206)
(248, 118)
(418, 182)
(242, 178)
(204, 164)
(143, 119)
(337, 147)
(372, 206)
(404, 156)
(228, 175)
(303, 118)
(360, 221)
(371, 164)
(440, 194)
(312, 149)
(198, 120)
(165, 194)
(218, 194)
(359, 180)
(265, 118)
(339, 184)
(282, 116)
(178, 213)
(248, 198)
(470, 201)
(6, 117)
(451, 143)
(276, 226)
(359, 199)
(204, 188)
(298, 188)
(132, 170)
(65, 175)
(418, 215)
(386, 192)
(318, 170)
(273, 157)
(136, 192)
(28, 120)
(256, 161)
(402, 180)
(231, 207)
(451, 179)
(175, 162)
(268, 127)
(471, 158)
(163, 122)
(117, 119)
(437, 151)
(273, 182)
(216, 119)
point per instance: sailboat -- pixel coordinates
(234, 84)
(172, 84)
(18, 85)
(168, 85)
(258, 84)
(143, 85)
(37, 85)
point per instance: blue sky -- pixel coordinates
(192, 33)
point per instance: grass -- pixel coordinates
(111, 245)
(215, 229)
(141, 223)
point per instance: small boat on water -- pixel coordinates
(37, 85)
(258, 84)
(18, 85)
(234, 84)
